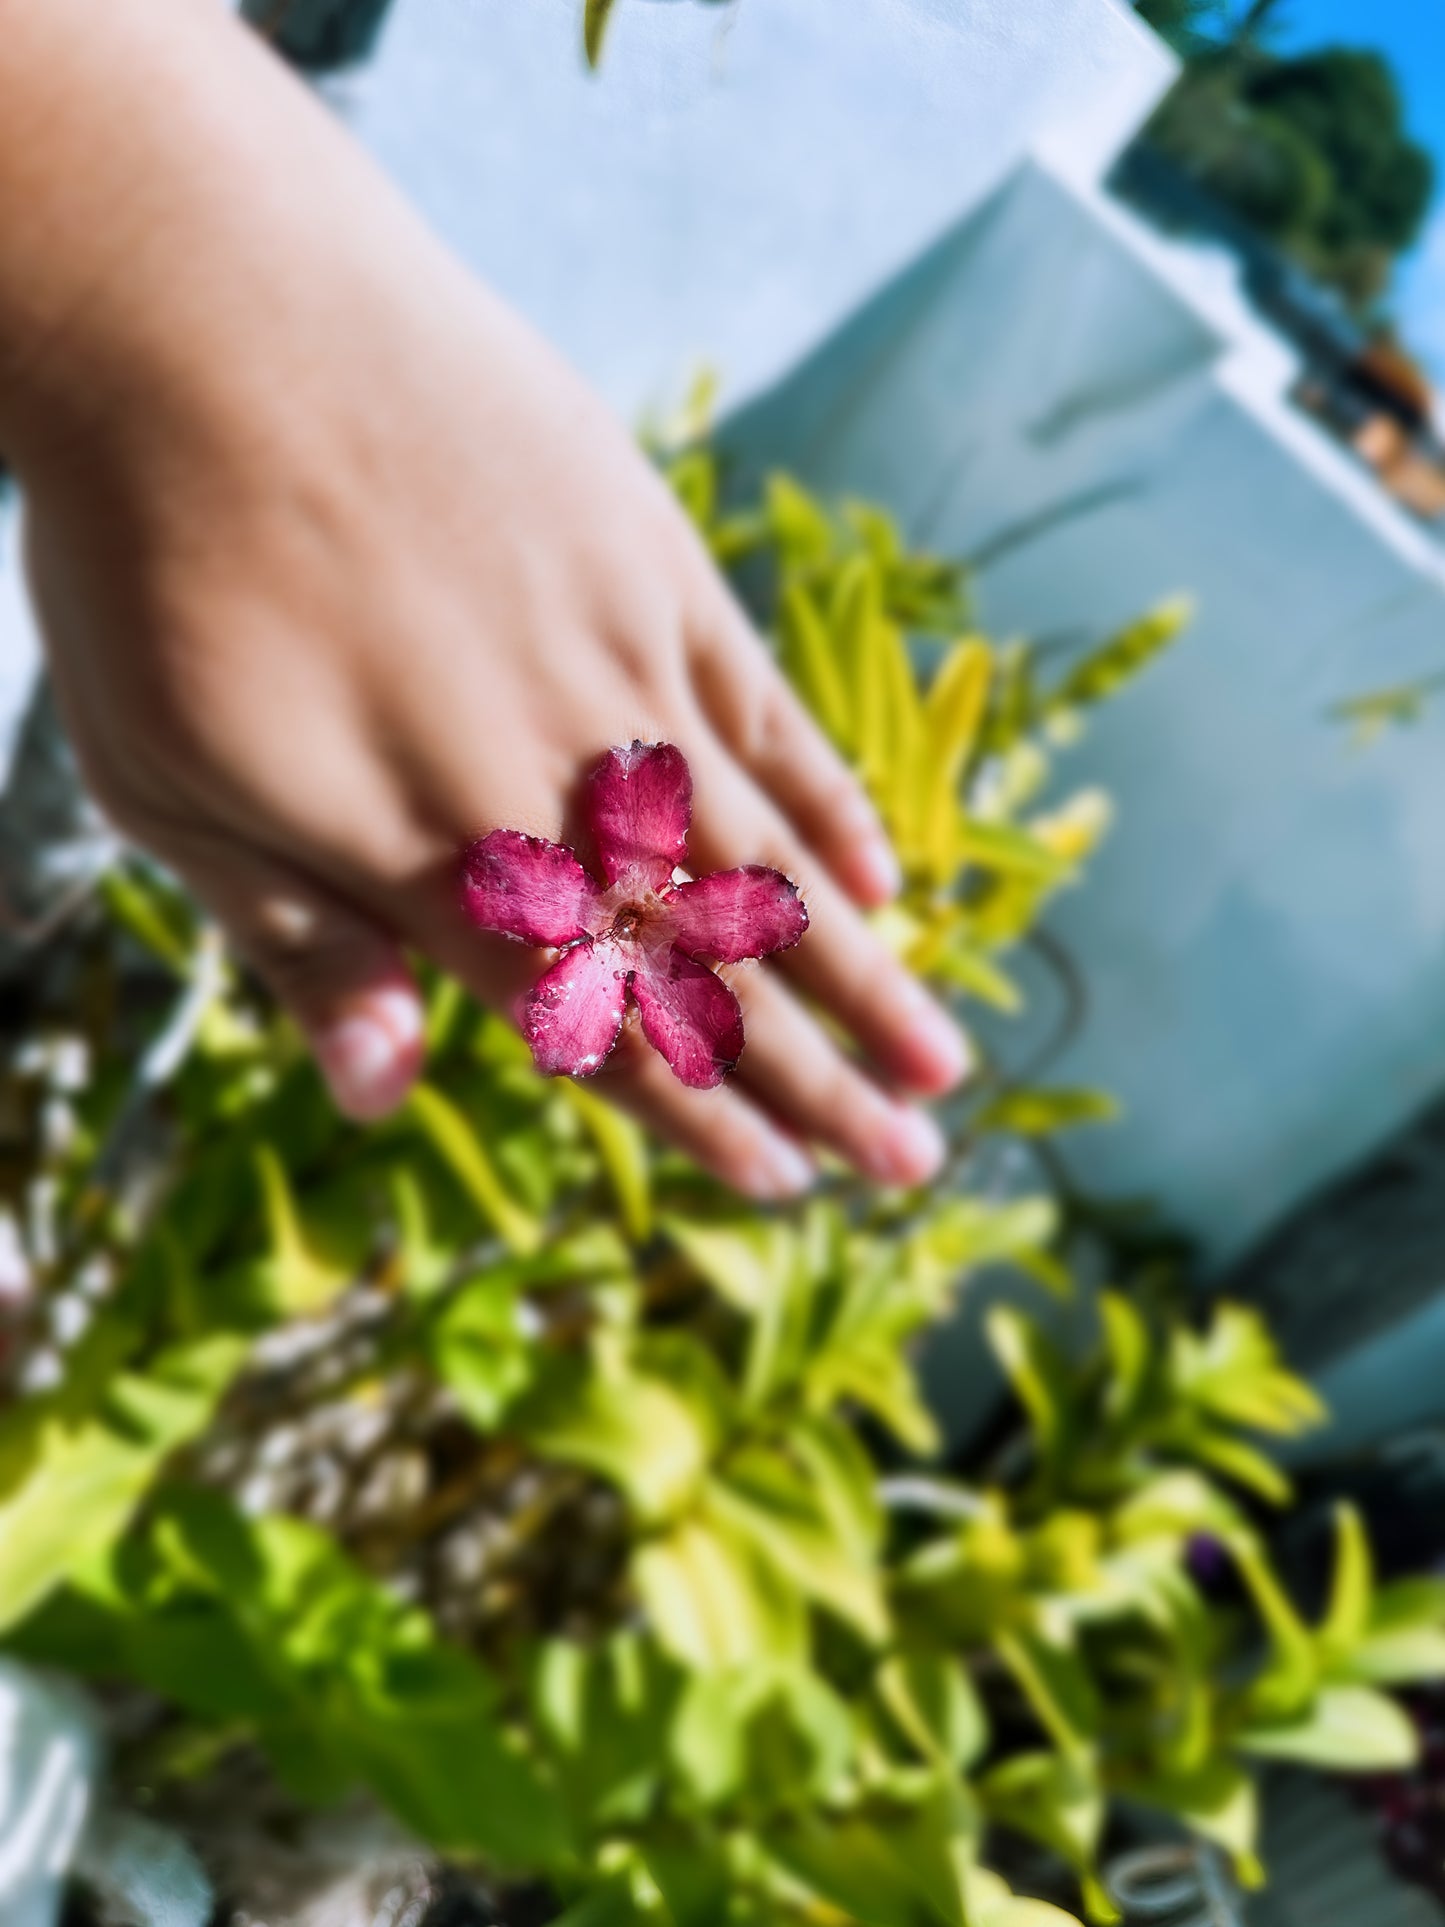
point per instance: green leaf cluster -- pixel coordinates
(1311, 150)
(953, 735)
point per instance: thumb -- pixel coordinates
(342, 977)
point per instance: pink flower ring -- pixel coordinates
(637, 935)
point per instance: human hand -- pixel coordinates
(339, 566)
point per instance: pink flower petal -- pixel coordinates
(734, 914)
(525, 887)
(639, 806)
(690, 1016)
(573, 1013)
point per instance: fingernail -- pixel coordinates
(877, 873)
(910, 1149)
(369, 1057)
(780, 1169)
(934, 1041)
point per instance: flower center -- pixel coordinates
(628, 921)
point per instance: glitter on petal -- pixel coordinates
(639, 936)
(574, 1011)
(690, 1017)
(527, 888)
(734, 914)
(639, 809)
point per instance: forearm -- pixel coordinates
(159, 170)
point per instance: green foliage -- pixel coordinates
(1345, 103)
(1267, 170)
(264, 1626)
(1312, 150)
(956, 758)
(742, 1652)
(74, 1464)
(1183, 23)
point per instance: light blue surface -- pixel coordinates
(737, 178)
(1391, 1385)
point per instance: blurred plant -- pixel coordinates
(1186, 24)
(1370, 715)
(1310, 150)
(498, 1464)
(319, 36)
(597, 17)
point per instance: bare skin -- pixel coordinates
(338, 566)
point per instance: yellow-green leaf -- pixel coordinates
(1377, 710)
(1037, 1113)
(622, 1147)
(713, 1602)
(898, 1870)
(1037, 1372)
(595, 16)
(70, 1481)
(1056, 1683)
(649, 1437)
(898, 787)
(1055, 1800)
(936, 1706)
(865, 642)
(1349, 1729)
(149, 915)
(1010, 851)
(990, 1904)
(953, 717)
(452, 1136)
(844, 1479)
(974, 972)
(1105, 670)
(1348, 1614)
(808, 658)
(749, 1260)
(1402, 1657)
(1406, 1636)
(1127, 1343)
(1216, 1800)
(800, 527)
(296, 1278)
(1236, 1459)
(1293, 1672)
(762, 1499)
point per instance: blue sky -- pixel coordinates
(1412, 33)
